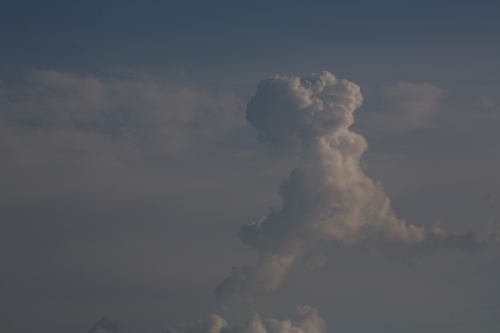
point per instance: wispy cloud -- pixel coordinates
(404, 107)
(62, 133)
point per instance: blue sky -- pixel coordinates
(129, 166)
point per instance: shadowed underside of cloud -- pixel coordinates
(330, 197)
(306, 320)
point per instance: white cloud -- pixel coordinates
(330, 198)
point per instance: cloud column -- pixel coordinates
(330, 197)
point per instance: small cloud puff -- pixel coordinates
(104, 325)
(306, 320)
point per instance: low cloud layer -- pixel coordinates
(101, 134)
(306, 320)
(153, 110)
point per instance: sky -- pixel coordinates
(249, 166)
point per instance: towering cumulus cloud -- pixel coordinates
(329, 198)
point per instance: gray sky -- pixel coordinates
(129, 166)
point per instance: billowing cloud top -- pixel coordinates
(296, 112)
